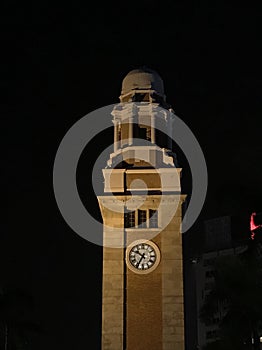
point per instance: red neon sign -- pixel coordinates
(253, 226)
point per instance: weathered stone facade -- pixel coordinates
(142, 311)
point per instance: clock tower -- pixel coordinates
(142, 297)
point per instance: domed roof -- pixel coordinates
(142, 79)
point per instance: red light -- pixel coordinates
(253, 226)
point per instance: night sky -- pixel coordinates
(70, 60)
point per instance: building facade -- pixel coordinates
(142, 297)
(200, 277)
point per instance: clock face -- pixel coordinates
(142, 256)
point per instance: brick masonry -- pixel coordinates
(151, 312)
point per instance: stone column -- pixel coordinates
(153, 131)
(130, 130)
(169, 126)
(115, 135)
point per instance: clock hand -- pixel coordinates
(142, 257)
(140, 254)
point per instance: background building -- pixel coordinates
(199, 276)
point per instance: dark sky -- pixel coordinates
(70, 60)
